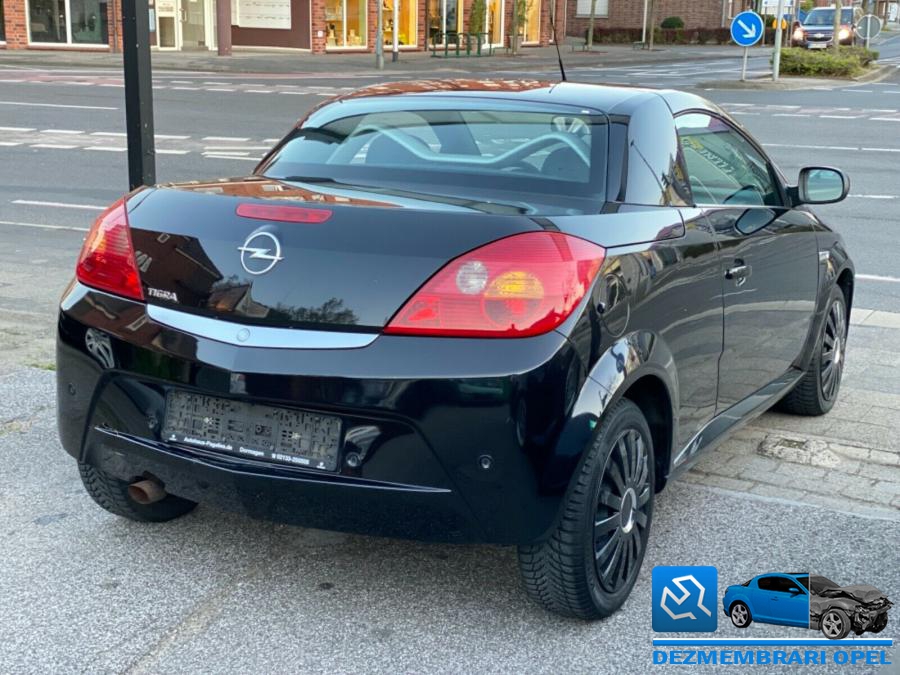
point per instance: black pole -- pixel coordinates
(138, 93)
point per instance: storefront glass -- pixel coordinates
(444, 21)
(89, 21)
(47, 20)
(408, 18)
(346, 23)
(533, 21)
(493, 21)
(68, 22)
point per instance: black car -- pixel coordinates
(464, 311)
(817, 29)
(836, 610)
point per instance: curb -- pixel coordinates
(788, 82)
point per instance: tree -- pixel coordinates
(835, 40)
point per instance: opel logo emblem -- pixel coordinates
(260, 253)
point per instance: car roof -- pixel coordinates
(793, 575)
(610, 99)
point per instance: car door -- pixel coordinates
(768, 254)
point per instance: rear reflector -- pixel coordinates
(107, 258)
(520, 286)
(285, 214)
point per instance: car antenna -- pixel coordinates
(562, 68)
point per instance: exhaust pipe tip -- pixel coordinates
(146, 492)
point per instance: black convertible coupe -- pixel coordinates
(466, 311)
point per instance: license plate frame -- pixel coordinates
(818, 45)
(274, 434)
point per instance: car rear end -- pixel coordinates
(371, 359)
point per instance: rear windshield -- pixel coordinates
(507, 154)
(825, 17)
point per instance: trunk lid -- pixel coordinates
(351, 272)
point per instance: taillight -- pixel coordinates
(286, 214)
(107, 258)
(523, 285)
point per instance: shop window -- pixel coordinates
(346, 21)
(408, 11)
(68, 21)
(493, 21)
(444, 21)
(2, 24)
(532, 21)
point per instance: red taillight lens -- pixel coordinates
(519, 286)
(107, 258)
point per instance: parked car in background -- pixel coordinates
(837, 610)
(817, 30)
(777, 598)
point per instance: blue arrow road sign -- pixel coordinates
(747, 28)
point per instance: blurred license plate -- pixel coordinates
(255, 431)
(818, 45)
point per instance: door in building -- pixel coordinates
(193, 24)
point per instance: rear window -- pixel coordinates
(543, 155)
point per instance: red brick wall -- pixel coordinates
(630, 14)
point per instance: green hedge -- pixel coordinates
(849, 62)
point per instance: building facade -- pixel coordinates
(319, 26)
(630, 13)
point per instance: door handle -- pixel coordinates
(739, 272)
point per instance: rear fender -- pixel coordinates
(624, 362)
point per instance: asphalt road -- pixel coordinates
(84, 591)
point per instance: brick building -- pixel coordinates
(320, 26)
(630, 13)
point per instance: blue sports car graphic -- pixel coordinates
(779, 598)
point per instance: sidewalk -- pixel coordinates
(283, 62)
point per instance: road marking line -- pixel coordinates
(43, 226)
(10, 144)
(105, 148)
(182, 88)
(246, 159)
(53, 146)
(878, 277)
(60, 205)
(117, 86)
(857, 91)
(172, 152)
(808, 147)
(875, 196)
(271, 140)
(69, 132)
(884, 119)
(116, 134)
(58, 105)
(259, 91)
(234, 139)
(222, 84)
(882, 149)
(16, 129)
(742, 112)
(226, 149)
(840, 117)
(232, 153)
(791, 115)
(171, 137)
(218, 89)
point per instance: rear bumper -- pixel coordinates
(439, 407)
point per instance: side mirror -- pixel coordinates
(821, 185)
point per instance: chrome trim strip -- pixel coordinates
(242, 335)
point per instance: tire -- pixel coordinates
(835, 624)
(880, 624)
(817, 391)
(112, 494)
(740, 615)
(589, 564)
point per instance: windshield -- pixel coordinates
(825, 17)
(500, 153)
(819, 584)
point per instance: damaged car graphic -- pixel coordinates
(836, 610)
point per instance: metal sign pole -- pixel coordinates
(138, 93)
(744, 67)
(395, 33)
(776, 58)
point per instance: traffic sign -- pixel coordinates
(869, 27)
(747, 28)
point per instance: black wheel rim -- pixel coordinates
(833, 344)
(622, 514)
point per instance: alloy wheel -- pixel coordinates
(621, 520)
(739, 615)
(832, 625)
(833, 345)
